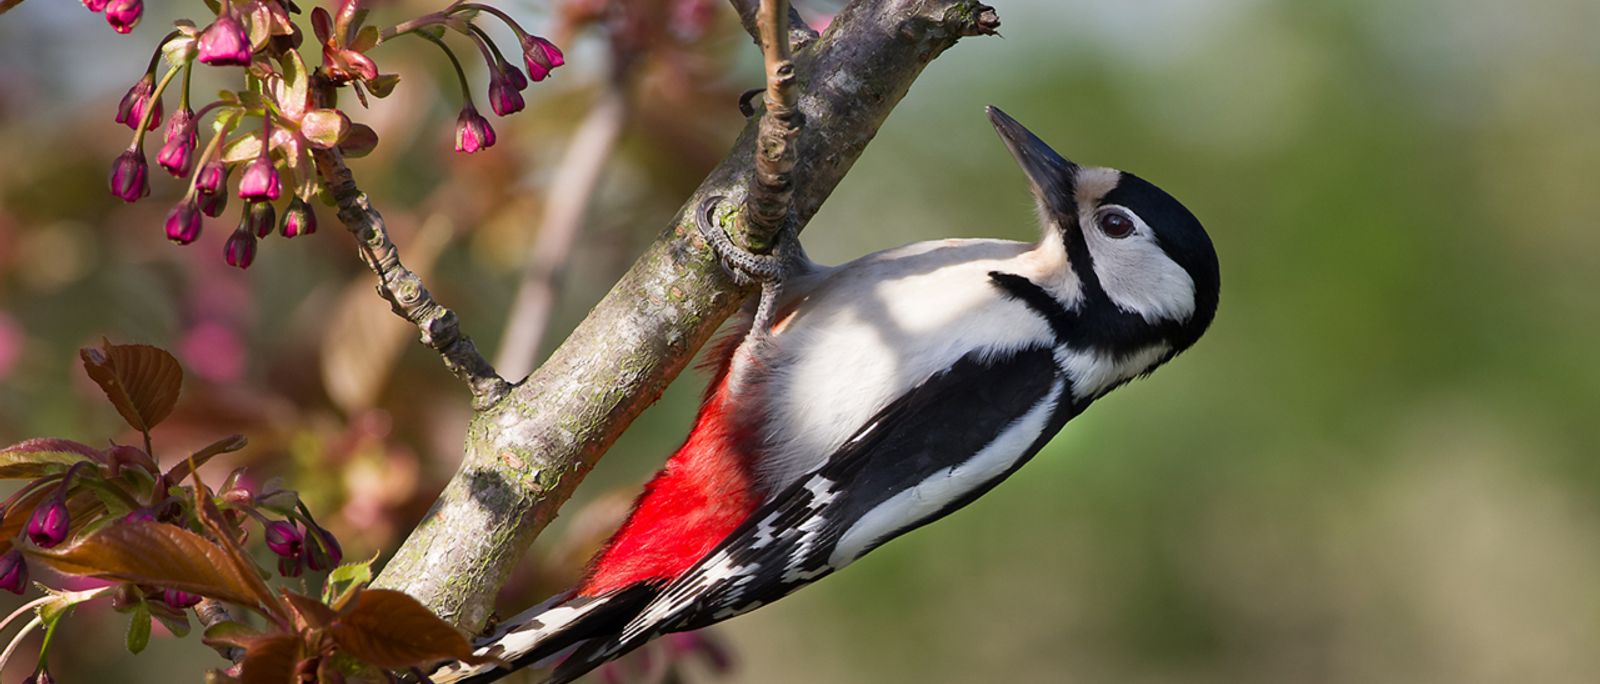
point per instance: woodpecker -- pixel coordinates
(868, 399)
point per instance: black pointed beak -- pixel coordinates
(1049, 173)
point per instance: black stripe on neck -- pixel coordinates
(1036, 298)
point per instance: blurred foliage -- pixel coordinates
(1378, 467)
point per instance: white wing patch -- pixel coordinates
(527, 630)
(945, 486)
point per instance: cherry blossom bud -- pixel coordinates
(179, 599)
(95, 5)
(225, 43)
(260, 218)
(139, 515)
(138, 98)
(291, 566)
(183, 222)
(40, 676)
(177, 154)
(283, 538)
(130, 175)
(322, 550)
(212, 180)
(240, 250)
(213, 205)
(123, 15)
(514, 77)
(298, 219)
(13, 572)
(260, 180)
(503, 95)
(473, 132)
(540, 56)
(48, 525)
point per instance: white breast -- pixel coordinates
(866, 332)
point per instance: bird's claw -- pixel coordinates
(746, 267)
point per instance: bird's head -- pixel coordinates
(1144, 265)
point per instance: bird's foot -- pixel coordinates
(746, 267)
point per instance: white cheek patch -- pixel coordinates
(1137, 274)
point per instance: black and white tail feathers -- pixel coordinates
(547, 630)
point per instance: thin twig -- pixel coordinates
(577, 178)
(17, 640)
(800, 33)
(772, 187)
(441, 331)
(212, 613)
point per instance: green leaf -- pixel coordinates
(324, 128)
(359, 142)
(176, 621)
(391, 630)
(141, 381)
(294, 93)
(383, 85)
(139, 628)
(37, 458)
(366, 39)
(242, 148)
(345, 580)
(159, 554)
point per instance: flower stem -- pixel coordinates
(144, 124)
(461, 74)
(496, 12)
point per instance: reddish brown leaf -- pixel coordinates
(40, 457)
(140, 380)
(309, 612)
(159, 554)
(225, 445)
(391, 630)
(271, 660)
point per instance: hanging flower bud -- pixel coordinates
(291, 566)
(95, 5)
(224, 43)
(179, 599)
(260, 180)
(503, 95)
(213, 205)
(138, 98)
(130, 175)
(514, 77)
(212, 179)
(541, 56)
(48, 525)
(183, 222)
(240, 250)
(322, 550)
(473, 132)
(123, 15)
(139, 515)
(283, 538)
(13, 572)
(260, 218)
(298, 219)
(177, 154)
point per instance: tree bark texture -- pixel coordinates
(525, 454)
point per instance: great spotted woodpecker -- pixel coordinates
(875, 397)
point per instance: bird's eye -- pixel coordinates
(1116, 224)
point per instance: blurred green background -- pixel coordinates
(1379, 466)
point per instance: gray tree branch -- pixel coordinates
(525, 454)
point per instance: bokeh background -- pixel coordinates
(1380, 465)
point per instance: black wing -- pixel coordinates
(915, 462)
